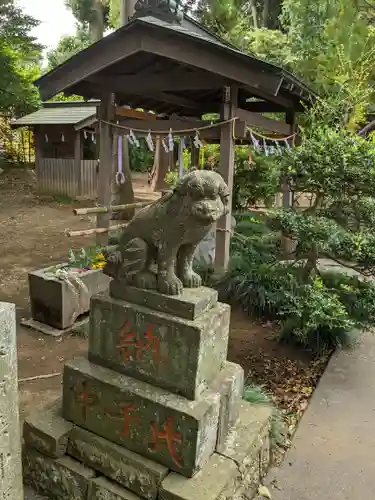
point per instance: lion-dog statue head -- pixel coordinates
(203, 196)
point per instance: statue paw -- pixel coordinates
(145, 279)
(170, 286)
(114, 258)
(192, 280)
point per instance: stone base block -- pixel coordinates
(140, 475)
(207, 484)
(58, 479)
(177, 354)
(229, 384)
(248, 445)
(55, 303)
(103, 489)
(165, 427)
(189, 305)
(47, 431)
(233, 474)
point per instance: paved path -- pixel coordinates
(333, 453)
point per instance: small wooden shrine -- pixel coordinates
(65, 147)
(166, 62)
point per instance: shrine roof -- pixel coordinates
(171, 67)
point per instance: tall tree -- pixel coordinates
(93, 13)
(224, 16)
(68, 46)
(20, 56)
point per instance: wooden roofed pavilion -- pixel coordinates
(165, 61)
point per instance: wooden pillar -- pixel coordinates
(226, 169)
(162, 162)
(195, 154)
(287, 193)
(106, 112)
(78, 162)
(287, 244)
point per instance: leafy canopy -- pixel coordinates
(19, 60)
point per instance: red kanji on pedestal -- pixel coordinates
(82, 397)
(125, 415)
(169, 436)
(132, 348)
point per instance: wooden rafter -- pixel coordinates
(167, 82)
(257, 120)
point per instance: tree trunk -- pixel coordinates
(254, 13)
(266, 13)
(97, 23)
(160, 167)
(126, 11)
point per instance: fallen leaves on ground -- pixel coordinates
(290, 382)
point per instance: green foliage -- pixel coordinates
(256, 182)
(141, 158)
(19, 58)
(271, 45)
(86, 258)
(319, 313)
(68, 46)
(278, 432)
(171, 178)
(332, 42)
(315, 308)
(84, 10)
(225, 17)
(91, 14)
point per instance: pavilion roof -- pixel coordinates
(180, 68)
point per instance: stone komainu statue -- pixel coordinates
(166, 233)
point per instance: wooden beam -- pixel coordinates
(132, 113)
(95, 58)
(267, 107)
(172, 99)
(266, 85)
(260, 106)
(175, 81)
(226, 169)
(106, 110)
(178, 126)
(257, 120)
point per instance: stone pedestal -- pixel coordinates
(10, 445)
(180, 355)
(155, 411)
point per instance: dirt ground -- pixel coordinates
(32, 236)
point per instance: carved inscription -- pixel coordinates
(3, 386)
(4, 460)
(3, 427)
(83, 397)
(132, 348)
(6, 495)
(126, 415)
(166, 437)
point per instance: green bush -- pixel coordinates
(256, 182)
(141, 158)
(320, 311)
